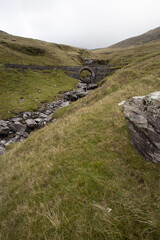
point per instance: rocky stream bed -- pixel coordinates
(18, 128)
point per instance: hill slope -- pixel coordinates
(21, 50)
(152, 35)
(34, 87)
(80, 178)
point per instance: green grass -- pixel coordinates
(122, 57)
(21, 50)
(80, 178)
(33, 87)
(84, 74)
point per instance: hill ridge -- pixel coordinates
(149, 36)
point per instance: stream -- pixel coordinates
(18, 127)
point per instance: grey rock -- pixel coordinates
(25, 135)
(86, 80)
(92, 86)
(47, 112)
(2, 143)
(21, 99)
(27, 115)
(71, 96)
(4, 128)
(16, 138)
(31, 123)
(18, 127)
(2, 150)
(16, 119)
(35, 114)
(82, 94)
(38, 120)
(65, 104)
(143, 118)
(48, 118)
(42, 115)
(82, 85)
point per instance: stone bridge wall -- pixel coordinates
(98, 71)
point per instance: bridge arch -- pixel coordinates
(91, 70)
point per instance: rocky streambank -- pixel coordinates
(143, 118)
(18, 128)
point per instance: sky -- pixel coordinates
(80, 23)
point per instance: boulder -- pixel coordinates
(18, 127)
(16, 119)
(4, 128)
(143, 118)
(82, 94)
(65, 104)
(31, 123)
(42, 115)
(35, 114)
(48, 112)
(92, 86)
(27, 115)
(71, 96)
(82, 85)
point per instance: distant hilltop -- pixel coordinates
(3, 32)
(152, 35)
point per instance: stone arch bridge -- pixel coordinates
(98, 72)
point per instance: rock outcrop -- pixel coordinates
(143, 117)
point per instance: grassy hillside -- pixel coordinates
(34, 87)
(80, 178)
(125, 56)
(31, 51)
(152, 35)
(26, 90)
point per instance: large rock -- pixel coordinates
(31, 123)
(71, 96)
(4, 128)
(65, 104)
(92, 86)
(18, 127)
(143, 117)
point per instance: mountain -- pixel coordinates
(152, 35)
(2, 32)
(80, 177)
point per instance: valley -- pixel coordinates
(79, 177)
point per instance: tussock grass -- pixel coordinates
(80, 178)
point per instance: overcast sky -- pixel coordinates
(81, 23)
